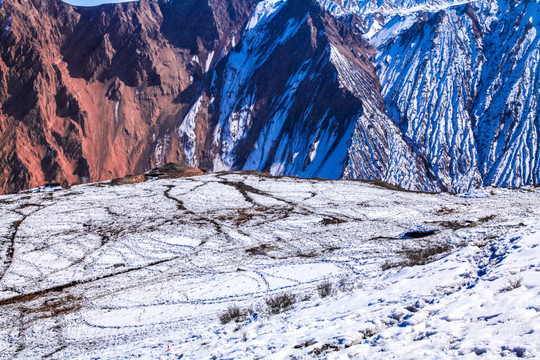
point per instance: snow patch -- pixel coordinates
(392, 29)
(186, 133)
(160, 151)
(116, 107)
(264, 11)
(7, 28)
(209, 61)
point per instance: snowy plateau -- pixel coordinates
(147, 270)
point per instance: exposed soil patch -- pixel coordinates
(486, 219)
(308, 255)
(10, 247)
(179, 203)
(57, 305)
(261, 250)
(36, 294)
(418, 256)
(456, 225)
(332, 221)
(389, 186)
(444, 211)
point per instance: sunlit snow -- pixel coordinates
(145, 270)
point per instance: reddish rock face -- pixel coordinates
(86, 92)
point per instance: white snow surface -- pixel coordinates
(144, 271)
(186, 133)
(263, 12)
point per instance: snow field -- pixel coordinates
(106, 272)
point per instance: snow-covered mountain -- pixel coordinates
(461, 79)
(428, 95)
(146, 271)
(299, 96)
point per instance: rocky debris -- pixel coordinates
(130, 179)
(306, 344)
(325, 348)
(167, 171)
(173, 171)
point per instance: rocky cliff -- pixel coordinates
(428, 95)
(461, 80)
(89, 94)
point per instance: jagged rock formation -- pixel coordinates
(285, 86)
(461, 80)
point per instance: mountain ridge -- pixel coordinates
(482, 129)
(312, 89)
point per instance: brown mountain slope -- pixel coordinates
(89, 94)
